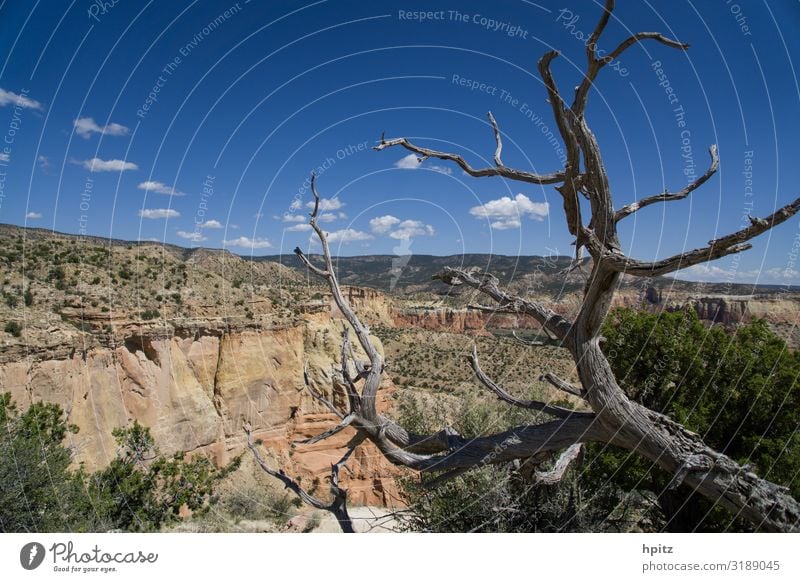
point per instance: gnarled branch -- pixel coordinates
(488, 284)
(640, 36)
(726, 245)
(338, 507)
(667, 196)
(562, 385)
(346, 421)
(556, 474)
(498, 170)
(318, 395)
(557, 411)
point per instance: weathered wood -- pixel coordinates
(338, 505)
(615, 419)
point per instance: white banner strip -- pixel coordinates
(401, 557)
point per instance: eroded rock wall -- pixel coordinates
(196, 387)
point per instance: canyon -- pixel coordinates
(194, 343)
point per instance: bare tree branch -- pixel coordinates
(519, 442)
(524, 342)
(565, 119)
(727, 245)
(640, 36)
(498, 162)
(557, 411)
(562, 385)
(488, 284)
(667, 196)
(352, 393)
(318, 395)
(591, 46)
(338, 507)
(373, 378)
(309, 265)
(556, 474)
(499, 170)
(346, 421)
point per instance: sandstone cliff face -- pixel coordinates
(195, 387)
(460, 320)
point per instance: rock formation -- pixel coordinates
(194, 387)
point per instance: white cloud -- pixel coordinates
(505, 212)
(411, 162)
(98, 165)
(211, 224)
(86, 126)
(326, 204)
(4, 157)
(505, 224)
(411, 228)
(399, 229)
(784, 275)
(715, 274)
(44, 163)
(248, 243)
(11, 98)
(33, 215)
(291, 218)
(160, 188)
(196, 236)
(296, 204)
(326, 217)
(382, 224)
(155, 213)
(347, 235)
(299, 227)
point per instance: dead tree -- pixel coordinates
(614, 418)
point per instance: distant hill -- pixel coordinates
(400, 275)
(543, 275)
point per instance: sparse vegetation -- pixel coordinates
(13, 328)
(140, 490)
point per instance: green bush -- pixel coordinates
(738, 390)
(13, 328)
(149, 314)
(140, 490)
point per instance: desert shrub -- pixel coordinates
(140, 490)
(149, 314)
(13, 328)
(739, 390)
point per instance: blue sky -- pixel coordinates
(198, 123)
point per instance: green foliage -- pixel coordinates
(149, 314)
(13, 328)
(28, 296)
(10, 299)
(140, 490)
(738, 391)
(492, 498)
(57, 276)
(38, 488)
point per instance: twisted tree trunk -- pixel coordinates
(615, 419)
